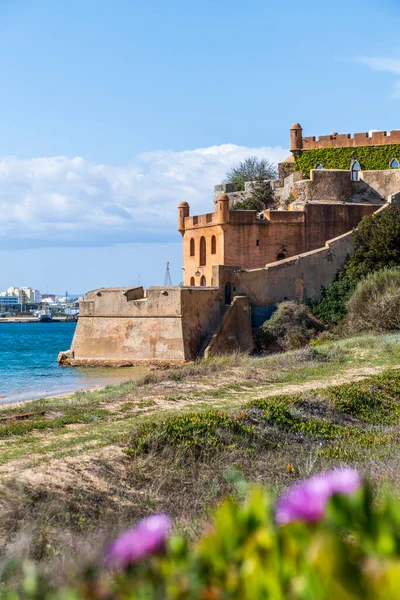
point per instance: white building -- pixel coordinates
(7, 301)
(25, 295)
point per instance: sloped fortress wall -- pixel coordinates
(300, 278)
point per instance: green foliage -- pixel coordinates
(331, 309)
(378, 404)
(290, 327)
(377, 245)
(199, 431)
(259, 172)
(375, 303)
(370, 158)
(277, 412)
(249, 204)
(353, 553)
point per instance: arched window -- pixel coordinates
(191, 247)
(355, 170)
(203, 281)
(192, 281)
(319, 166)
(213, 245)
(394, 164)
(203, 253)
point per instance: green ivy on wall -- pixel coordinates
(371, 158)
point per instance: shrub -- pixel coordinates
(376, 246)
(290, 327)
(198, 431)
(326, 538)
(249, 204)
(375, 304)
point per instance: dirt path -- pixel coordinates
(44, 467)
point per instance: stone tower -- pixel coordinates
(296, 137)
(223, 208)
(183, 211)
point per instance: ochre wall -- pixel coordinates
(284, 232)
(167, 326)
(200, 307)
(345, 140)
(118, 340)
(252, 242)
(192, 263)
(235, 333)
(300, 278)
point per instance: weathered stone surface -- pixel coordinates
(235, 333)
(64, 358)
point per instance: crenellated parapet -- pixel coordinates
(299, 143)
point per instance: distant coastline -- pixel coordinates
(32, 320)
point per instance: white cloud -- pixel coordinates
(57, 201)
(383, 64)
(390, 65)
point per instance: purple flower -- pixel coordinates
(147, 537)
(307, 500)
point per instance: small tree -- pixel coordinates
(259, 172)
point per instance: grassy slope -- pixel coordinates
(63, 470)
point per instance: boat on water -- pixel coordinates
(44, 316)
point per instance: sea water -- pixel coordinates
(28, 363)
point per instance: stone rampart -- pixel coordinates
(346, 140)
(300, 277)
(335, 186)
(235, 333)
(165, 325)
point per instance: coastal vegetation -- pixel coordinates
(76, 471)
(377, 246)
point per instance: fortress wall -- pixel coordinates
(114, 330)
(386, 183)
(252, 240)
(125, 341)
(346, 140)
(200, 307)
(192, 263)
(327, 221)
(236, 332)
(169, 325)
(328, 186)
(255, 245)
(115, 302)
(290, 232)
(300, 278)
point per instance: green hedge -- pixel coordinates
(371, 158)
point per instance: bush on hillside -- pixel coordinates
(375, 304)
(377, 245)
(290, 327)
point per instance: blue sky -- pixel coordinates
(114, 112)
